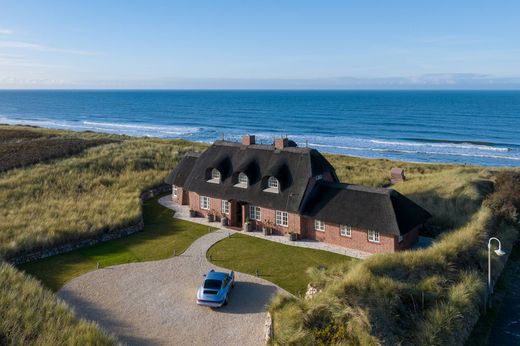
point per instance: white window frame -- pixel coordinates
(255, 213)
(374, 236)
(174, 191)
(224, 207)
(282, 218)
(272, 182)
(215, 176)
(345, 231)
(319, 225)
(242, 180)
(204, 202)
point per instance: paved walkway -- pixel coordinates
(182, 212)
(153, 303)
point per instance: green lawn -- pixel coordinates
(281, 264)
(161, 236)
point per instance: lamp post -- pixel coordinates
(499, 252)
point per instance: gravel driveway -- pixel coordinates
(153, 303)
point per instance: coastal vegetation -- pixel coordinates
(426, 297)
(77, 197)
(20, 148)
(32, 315)
(162, 237)
(282, 264)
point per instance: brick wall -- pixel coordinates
(409, 239)
(182, 196)
(268, 216)
(305, 228)
(358, 240)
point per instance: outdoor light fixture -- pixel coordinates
(499, 252)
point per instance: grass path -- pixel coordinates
(281, 264)
(161, 236)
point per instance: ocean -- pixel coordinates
(468, 127)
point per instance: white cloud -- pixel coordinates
(4, 31)
(42, 48)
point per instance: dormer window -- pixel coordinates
(272, 185)
(243, 181)
(215, 176)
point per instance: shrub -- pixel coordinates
(505, 201)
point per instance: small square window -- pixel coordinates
(345, 231)
(319, 225)
(174, 191)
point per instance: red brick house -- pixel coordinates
(294, 190)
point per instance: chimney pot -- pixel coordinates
(280, 143)
(248, 140)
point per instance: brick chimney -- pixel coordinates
(280, 143)
(248, 140)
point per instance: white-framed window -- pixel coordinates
(319, 225)
(282, 218)
(215, 176)
(254, 213)
(400, 238)
(174, 191)
(373, 237)
(345, 231)
(242, 178)
(273, 185)
(225, 207)
(204, 202)
(243, 181)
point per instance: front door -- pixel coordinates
(238, 214)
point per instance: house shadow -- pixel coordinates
(106, 320)
(248, 297)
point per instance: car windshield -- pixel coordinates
(213, 284)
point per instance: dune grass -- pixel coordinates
(32, 315)
(281, 264)
(425, 297)
(161, 236)
(94, 192)
(23, 147)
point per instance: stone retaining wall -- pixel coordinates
(123, 232)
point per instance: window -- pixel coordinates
(319, 225)
(243, 181)
(215, 176)
(272, 185)
(282, 218)
(345, 231)
(254, 213)
(242, 178)
(373, 236)
(400, 238)
(174, 191)
(225, 207)
(204, 202)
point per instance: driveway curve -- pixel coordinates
(153, 303)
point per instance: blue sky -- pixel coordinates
(259, 44)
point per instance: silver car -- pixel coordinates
(215, 289)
